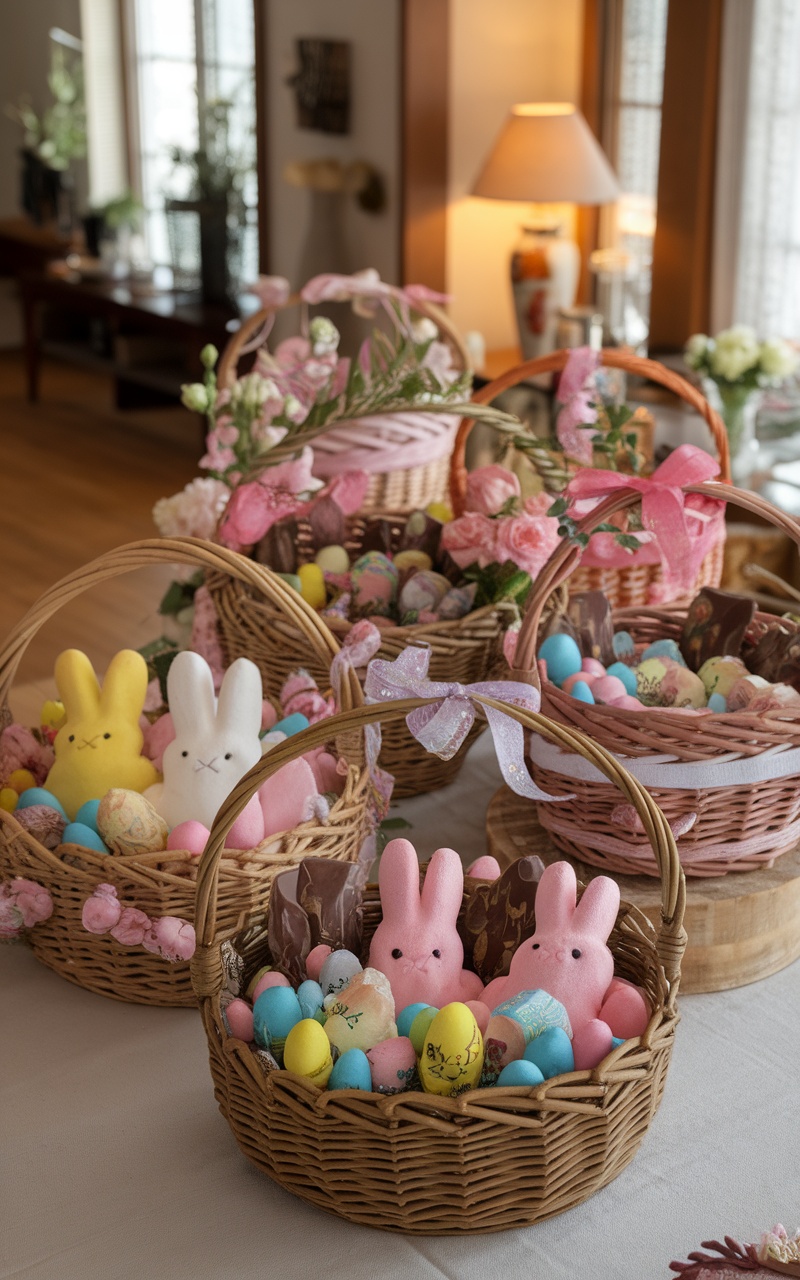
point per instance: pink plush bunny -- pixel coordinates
(568, 958)
(416, 944)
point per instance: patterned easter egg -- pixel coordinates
(43, 823)
(374, 581)
(362, 1014)
(393, 1064)
(423, 591)
(660, 682)
(129, 824)
(503, 1042)
(720, 674)
(337, 971)
(535, 1011)
(452, 1055)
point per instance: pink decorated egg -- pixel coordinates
(584, 677)
(316, 959)
(392, 1064)
(188, 835)
(480, 1012)
(627, 703)
(607, 687)
(239, 1017)
(270, 979)
(593, 667)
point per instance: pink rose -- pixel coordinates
(102, 911)
(32, 901)
(527, 541)
(131, 927)
(176, 938)
(471, 539)
(489, 488)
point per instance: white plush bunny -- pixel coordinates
(216, 742)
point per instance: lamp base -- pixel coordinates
(544, 278)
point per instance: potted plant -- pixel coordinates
(53, 139)
(214, 204)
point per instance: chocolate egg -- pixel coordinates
(452, 1054)
(393, 1064)
(129, 824)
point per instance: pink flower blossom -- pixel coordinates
(217, 457)
(489, 488)
(205, 638)
(226, 432)
(254, 507)
(471, 539)
(348, 491)
(271, 291)
(175, 938)
(19, 749)
(131, 927)
(575, 392)
(439, 359)
(526, 540)
(102, 910)
(194, 512)
(23, 903)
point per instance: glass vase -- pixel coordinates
(738, 407)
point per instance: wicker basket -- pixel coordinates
(490, 1159)
(633, 583)
(741, 822)
(164, 884)
(406, 455)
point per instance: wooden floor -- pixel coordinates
(78, 478)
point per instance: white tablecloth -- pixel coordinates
(116, 1163)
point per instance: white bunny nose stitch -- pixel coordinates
(202, 764)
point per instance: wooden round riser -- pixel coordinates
(741, 927)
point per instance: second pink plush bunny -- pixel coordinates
(416, 944)
(568, 958)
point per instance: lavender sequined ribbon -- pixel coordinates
(442, 726)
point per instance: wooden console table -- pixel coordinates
(148, 341)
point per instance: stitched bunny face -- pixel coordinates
(567, 955)
(416, 944)
(99, 746)
(216, 740)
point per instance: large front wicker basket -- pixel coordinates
(633, 583)
(737, 827)
(164, 884)
(490, 1159)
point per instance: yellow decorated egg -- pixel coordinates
(312, 585)
(52, 714)
(129, 824)
(8, 799)
(440, 511)
(21, 780)
(452, 1053)
(307, 1052)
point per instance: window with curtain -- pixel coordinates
(767, 268)
(187, 58)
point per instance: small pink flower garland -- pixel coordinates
(23, 903)
(168, 936)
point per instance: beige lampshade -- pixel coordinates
(546, 153)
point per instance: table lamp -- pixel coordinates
(546, 154)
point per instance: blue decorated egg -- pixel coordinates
(562, 655)
(309, 995)
(582, 692)
(291, 724)
(624, 648)
(665, 648)
(521, 1072)
(87, 814)
(275, 1012)
(40, 795)
(717, 702)
(535, 1011)
(551, 1052)
(625, 674)
(79, 833)
(406, 1016)
(351, 1071)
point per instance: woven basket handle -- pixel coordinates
(207, 974)
(567, 556)
(253, 325)
(611, 358)
(192, 551)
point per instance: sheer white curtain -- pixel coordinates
(756, 268)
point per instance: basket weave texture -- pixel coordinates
(164, 883)
(490, 1159)
(407, 455)
(737, 827)
(631, 584)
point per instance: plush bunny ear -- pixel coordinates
(190, 694)
(443, 886)
(555, 896)
(596, 912)
(240, 698)
(78, 686)
(398, 880)
(125, 685)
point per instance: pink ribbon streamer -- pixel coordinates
(442, 727)
(362, 643)
(665, 513)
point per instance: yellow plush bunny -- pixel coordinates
(99, 746)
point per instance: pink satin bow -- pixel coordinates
(664, 512)
(442, 726)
